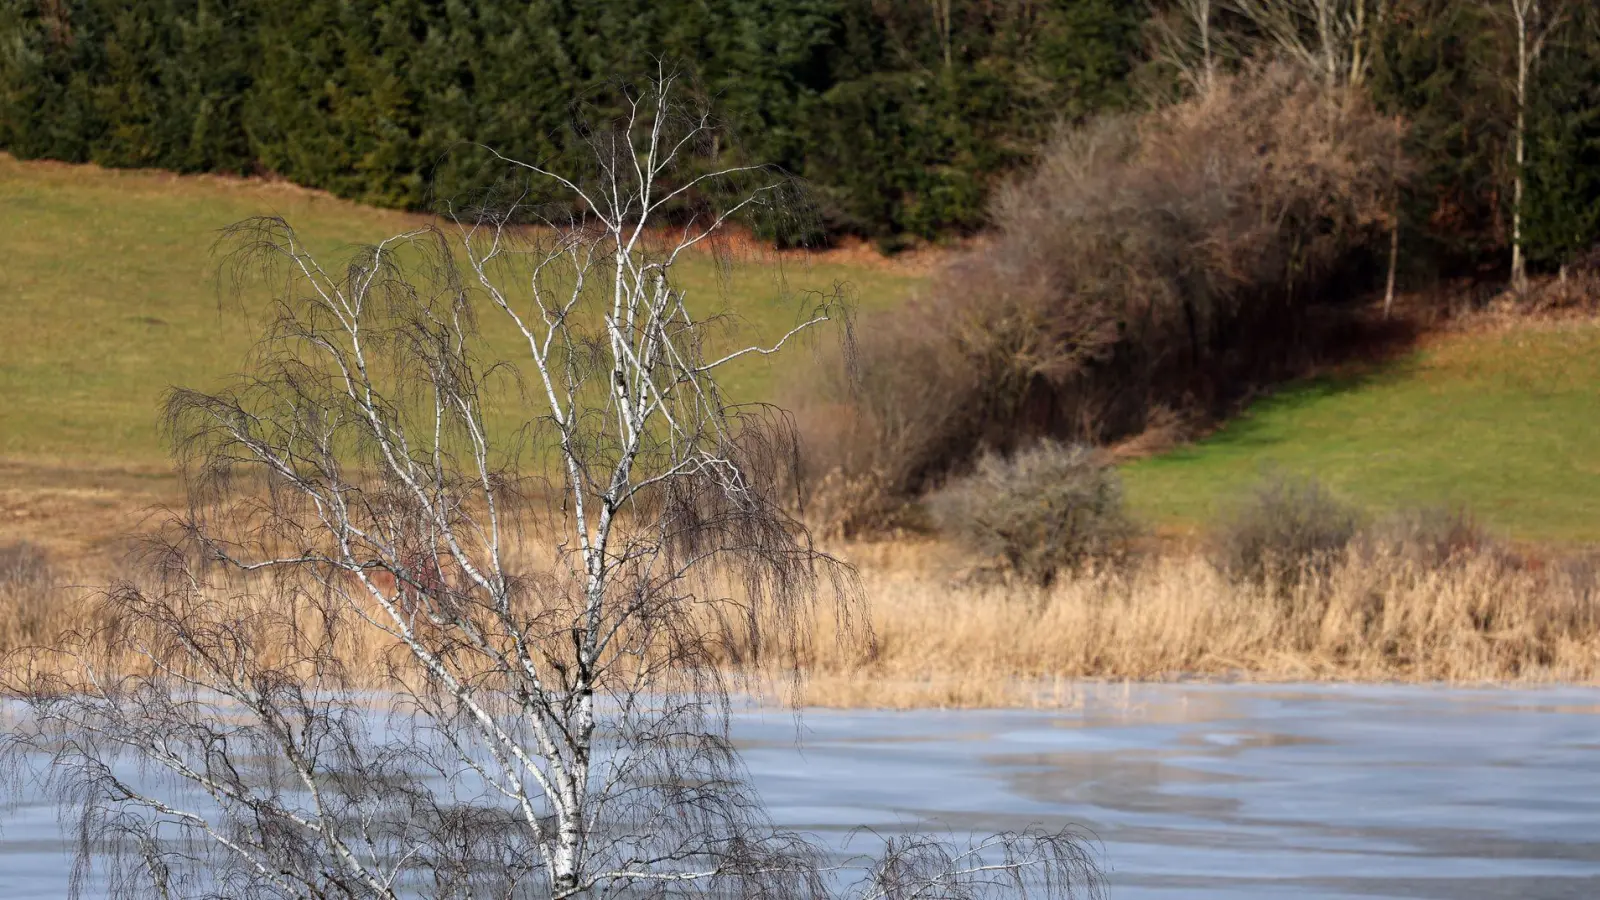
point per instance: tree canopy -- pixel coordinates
(903, 116)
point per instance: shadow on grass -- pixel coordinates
(1257, 425)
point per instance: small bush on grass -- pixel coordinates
(1043, 510)
(1431, 537)
(1284, 530)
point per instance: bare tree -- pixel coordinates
(1397, 173)
(1332, 40)
(452, 621)
(1534, 22)
(1335, 39)
(1186, 39)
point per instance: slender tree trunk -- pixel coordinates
(1394, 260)
(1536, 21)
(941, 25)
(1519, 274)
(1357, 63)
(1394, 230)
(1330, 59)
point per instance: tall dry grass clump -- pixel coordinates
(34, 603)
(1170, 261)
(57, 628)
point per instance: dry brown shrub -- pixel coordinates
(1047, 509)
(1285, 528)
(1432, 536)
(1169, 261)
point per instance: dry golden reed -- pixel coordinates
(35, 600)
(938, 640)
(1374, 616)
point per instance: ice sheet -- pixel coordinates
(1192, 791)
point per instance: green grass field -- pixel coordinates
(109, 292)
(1505, 424)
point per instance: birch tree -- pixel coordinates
(1533, 23)
(943, 28)
(1336, 41)
(1187, 40)
(1333, 39)
(452, 609)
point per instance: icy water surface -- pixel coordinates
(1194, 791)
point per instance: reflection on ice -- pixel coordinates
(1237, 790)
(1195, 791)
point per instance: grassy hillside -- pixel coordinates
(1504, 422)
(108, 291)
(109, 294)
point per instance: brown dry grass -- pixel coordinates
(35, 599)
(942, 638)
(1376, 616)
(82, 516)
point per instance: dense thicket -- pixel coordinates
(1169, 261)
(1151, 270)
(901, 113)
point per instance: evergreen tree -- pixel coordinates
(902, 115)
(172, 84)
(903, 125)
(48, 52)
(1438, 70)
(1563, 171)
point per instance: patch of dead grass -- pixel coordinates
(1374, 616)
(942, 637)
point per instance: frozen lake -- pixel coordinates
(1195, 791)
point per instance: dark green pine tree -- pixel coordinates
(1440, 70)
(125, 95)
(48, 54)
(920, 120)
(902, 124)
(1563, 171)
(205, 81)
(169, 90)
(333, 104)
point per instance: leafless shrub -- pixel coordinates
(1285, 530)
(1008, 864)
(1168, 261)
(1043, 510)
(1431, 537)
(875, 426)
(538, 542)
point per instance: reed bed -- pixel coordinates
(1481, 617)
(36, 597)
(938, 638)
